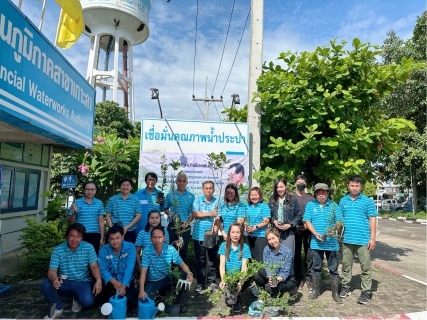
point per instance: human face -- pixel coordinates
(157, 238)
(154, 220)
(354, 188)
(89, 190)
(322, 196)
(115, 241)
(125, 188)
(281, 189)
(235, 234)
(181, 183)
(254, 196)
(73, 239)
(273, 240)
(234, 177)
(208, 190)
(230, 194)
(151, 182)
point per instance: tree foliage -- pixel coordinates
(318, 115)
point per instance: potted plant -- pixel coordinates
(271, 306)
(163, 172)
(334, 229)
(171, 306)
(272, 268)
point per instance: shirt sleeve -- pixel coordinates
(136, 205)
(338, 214)
(145, 258)
(138, 241)
(176, 259)
(266, 258)
(196, 205)
(221, 250)
(246, 252)
(308, 212)
(54, 259)
(297, 213)
(266, 213)
(101, 210)
(109, 207)
(168, 201)
(372, 210)
(92, 254)
(286, 266)
(103, 265)
(130, 264)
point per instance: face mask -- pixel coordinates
(301, 186)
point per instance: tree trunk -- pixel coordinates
(414, 192)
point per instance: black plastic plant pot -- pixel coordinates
(159, 195)
(274, 282)
(172, 310)
(231, 298)
(324, 236)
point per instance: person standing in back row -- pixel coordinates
(360, 228)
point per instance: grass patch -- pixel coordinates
(394, 215)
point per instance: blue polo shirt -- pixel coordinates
(230, 213)
(322, 218)
(143, 238)
(234, 263)
(185, 204)
(203, 224)
(74, 265)
(283, 259)
(148, 203)
(255, 214)
(159, 266)
(356, 219)
(88, 214)
(123, 210)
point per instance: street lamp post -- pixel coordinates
(155, 95)
(235, 100)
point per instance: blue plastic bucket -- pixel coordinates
(119, 307)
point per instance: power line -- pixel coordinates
(195, 44)
(235, 56)
(217, 112)
(222, 55)
(200, 110)
(216, 29)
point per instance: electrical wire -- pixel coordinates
(235, 56)
(217, 112)
(203, 115)
(226, 37)
(195, 44)
(216, 29)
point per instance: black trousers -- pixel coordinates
(130, 236)
(261, 281)
(205, 263)
(257, 245)
(186, 236)
(302, 240)
(93, 239)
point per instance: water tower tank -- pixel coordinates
(115, 26)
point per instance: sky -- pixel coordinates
(167, 58)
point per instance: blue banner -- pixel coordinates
(40, 91)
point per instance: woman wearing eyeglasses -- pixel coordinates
(230, 209)
(89, 211)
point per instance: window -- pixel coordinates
(20, 189)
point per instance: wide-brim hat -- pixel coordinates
(323, 186)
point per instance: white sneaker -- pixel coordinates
(76, 307)
(56, 315)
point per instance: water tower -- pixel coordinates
(115, 26)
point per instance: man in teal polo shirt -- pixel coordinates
(69, 271)
(360, 227)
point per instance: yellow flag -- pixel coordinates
(69, 30)
(72, 7)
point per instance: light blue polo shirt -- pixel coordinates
(234, 263)
(356, 219)
(203, 224)
(185, 204)
(322, 218)
(148, 203)
(159, 266)
(124, 210)
(143, 238)
(230, 213)
(88, 214)
(74, 265)
(255, 214)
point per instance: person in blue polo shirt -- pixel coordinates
(230, 210)
(185, 200)
(69, 273)
(233, 256)
(320, 216)
(205, 211)
(147, 199)
(117, 262)
(89, 211)
(157, 260)
(124, 209)
(360, 225)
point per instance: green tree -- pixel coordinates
(369, 189)
(110, 118)
(318, 115)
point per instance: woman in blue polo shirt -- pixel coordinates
(258, 217)
(233, 256)
(230, 209)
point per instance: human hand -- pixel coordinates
(371, 244)
(222, 285)
(161, 201)
(142, 294)
(319, 237)
(74, 208)
(122, 290)
(250, 229)
(224, 235)
(214, 213)
(97, 288)
(57, 283)
(101, 242)
(125, 229)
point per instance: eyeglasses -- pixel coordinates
(90, 190)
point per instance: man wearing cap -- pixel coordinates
(359, 237)
(320, 216)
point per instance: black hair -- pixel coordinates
(126, 179)
(355, 179)
(300, 177)
(259, 191)
(114, 229)
(236, 192)
(88, 182)
(239, 168)
(76, 226)
(276, 194)
(147, 226)
(151, 174)
(158, 228)
(208, 181)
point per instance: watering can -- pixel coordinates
(147, 309)
(116, 308)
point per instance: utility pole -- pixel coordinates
(207, 100)
(255, 67)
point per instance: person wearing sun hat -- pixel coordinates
(320, 216)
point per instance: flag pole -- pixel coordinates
(42, 15)
(57, 29)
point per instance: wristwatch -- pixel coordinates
(256, 227)
(190, 273)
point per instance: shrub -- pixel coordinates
(38, 241)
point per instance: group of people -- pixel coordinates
(274, 234)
